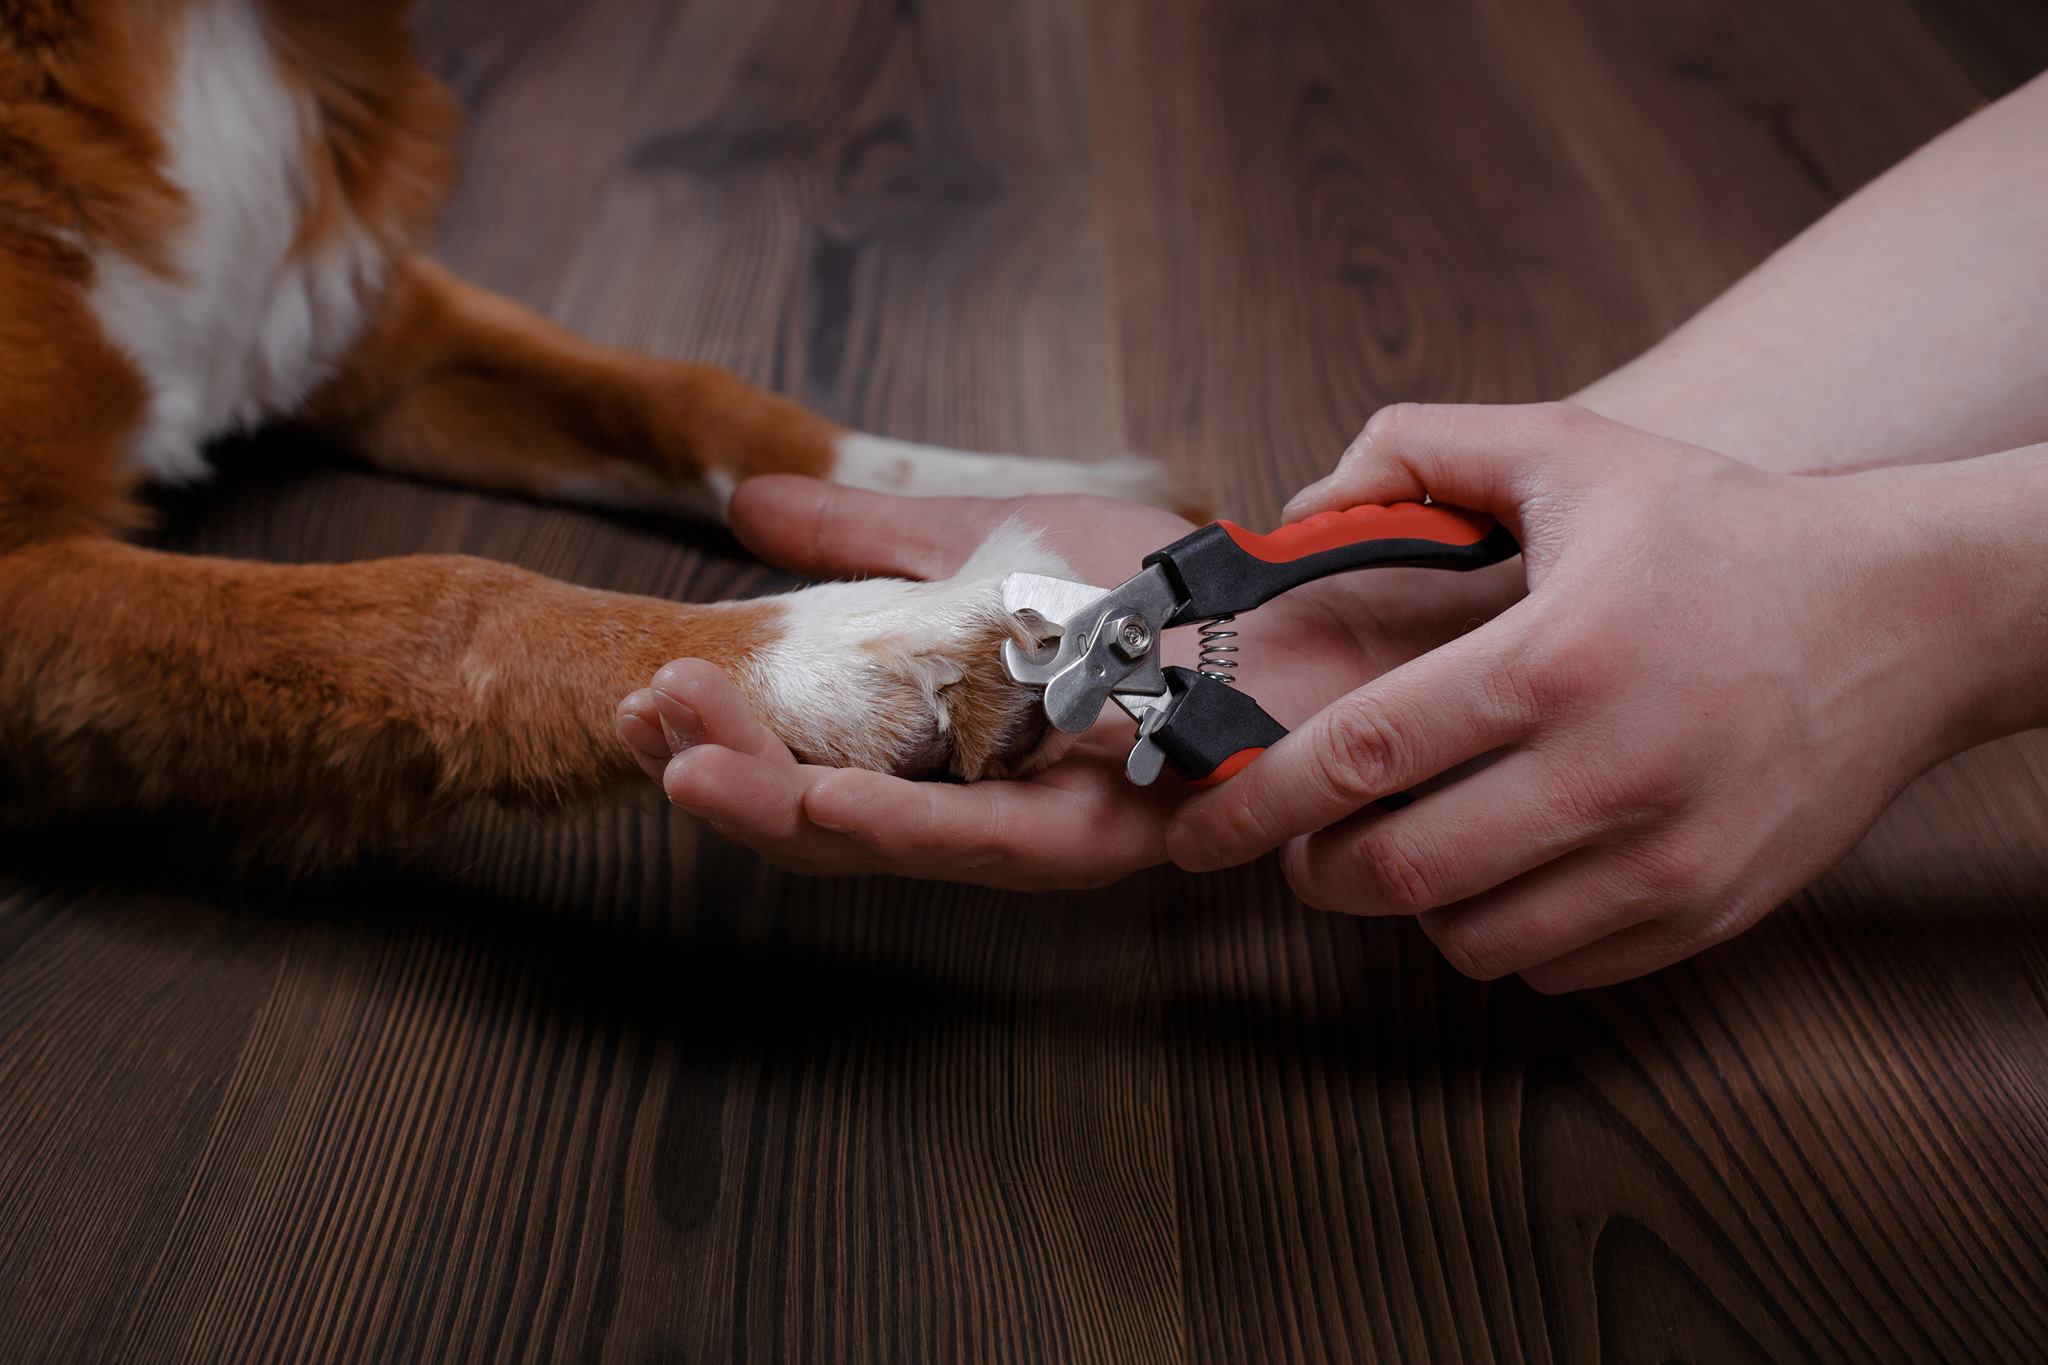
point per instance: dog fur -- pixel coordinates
(211, 214)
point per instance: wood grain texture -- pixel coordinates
(605, 1088)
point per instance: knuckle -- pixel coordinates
(1407, 877)
(1673, 872)
(1359, 748)
(1563, 667)
(1597, 795)
(1000, 843)
(1723, 918)
(1513, 692)
(1477, 949)
(1624, 782)
(1654, 793)
(1387, 425)
(1578, 805)
(1238, 820)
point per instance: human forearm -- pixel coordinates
(1905, 326)
(1969, 542)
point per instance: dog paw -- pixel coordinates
(907, 677)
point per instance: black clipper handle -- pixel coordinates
(1222, 569)
(1213, 730)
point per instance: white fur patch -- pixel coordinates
(891, 466)
(241, 333)
(846, 649)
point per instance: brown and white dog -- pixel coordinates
(210, 212)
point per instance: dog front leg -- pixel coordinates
(320, 709)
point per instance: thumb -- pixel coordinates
(1485, 457)
(828, 531)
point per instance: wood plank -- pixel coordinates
(605, 1088)
(1300, 233)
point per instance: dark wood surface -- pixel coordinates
(601, 1087)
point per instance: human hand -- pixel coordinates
(1077, 823)
(1717, 681)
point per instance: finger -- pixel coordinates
(1020, 835)
(1547, 914)
(825, 530)
(1015, 835)
(759, 803)
(695, 702)
(1637, 951)
(1464, 699)
(1482, 456)
(737, 793)
(1452, 844)
(639, 724)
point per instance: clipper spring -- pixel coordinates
(1214, 660)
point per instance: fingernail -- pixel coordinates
(681, 726)
(642, 736)
(1298, 505)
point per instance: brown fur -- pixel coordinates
(322, 707)
(384, 152)
(994, 728)
(80, 152)
(455, 383)
(319, 707)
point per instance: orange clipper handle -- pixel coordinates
(1222, 569)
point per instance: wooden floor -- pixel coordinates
(605, 1088)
